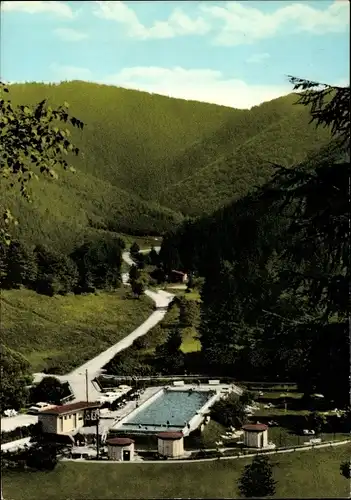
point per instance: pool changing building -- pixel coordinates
(170, 444)
(255, 435)
(120, 449)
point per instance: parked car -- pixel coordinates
(109, 397)
(10, 413)
(308, 432)
(38, 407)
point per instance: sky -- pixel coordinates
(235, 53)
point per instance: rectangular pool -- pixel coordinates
(172, 410)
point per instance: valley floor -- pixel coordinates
(300, 475)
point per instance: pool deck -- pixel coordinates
(151, 394)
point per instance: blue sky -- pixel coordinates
(230, 53)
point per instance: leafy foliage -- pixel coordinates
(15, 377)
(229, 411)
(31, 143)
(51, 390)
(257, 479)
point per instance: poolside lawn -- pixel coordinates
(302, 474)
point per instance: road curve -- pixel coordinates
(77, 378)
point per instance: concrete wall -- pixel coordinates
(171, 448)
(116, 452)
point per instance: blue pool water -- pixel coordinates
(175, 407)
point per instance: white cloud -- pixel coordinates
(62, 72)
(204, 85)
(60, 9)
(177, 24)
(70, 35)
(258, 58)
(239, 24)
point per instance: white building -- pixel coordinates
(255, 435)
(171, 444)
(120, 448)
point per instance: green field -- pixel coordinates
(68, 330)
(302, 474)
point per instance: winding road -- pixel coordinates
(77, 378)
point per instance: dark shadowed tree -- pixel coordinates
(15, 377)
(49, 389)
(257, 479)
(345, 469)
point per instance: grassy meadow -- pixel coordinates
(304, 474)
(67, 330)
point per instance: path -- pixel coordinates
(77, 378)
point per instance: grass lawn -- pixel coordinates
(190, 341)
(302, 474)
(68, 330)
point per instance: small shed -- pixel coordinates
(171, 444)
(255, 435)
(120, 448)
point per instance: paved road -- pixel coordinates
(11, 423)
(77, 378)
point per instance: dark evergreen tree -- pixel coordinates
(257, 479)
(134, 250)
(134, 273)
(345, 469)
(138, 287)
(21, 266)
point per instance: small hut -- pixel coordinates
(171, 444)
(255, 435)
(120, 448)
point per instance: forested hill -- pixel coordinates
(147, 160)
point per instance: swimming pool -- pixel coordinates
(171, 410)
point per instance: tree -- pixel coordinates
(257, 479)
(57, 273)
(134, 250)
(134, 273)
(345, 469)
(15, 377)
(189, 314)
(21, 267)
(31, 144)
(153, 257)
(317, 421)
(229, 411)
(49, 389)
(99, 263)
(247, 398)
(42, 456)
(138, 287)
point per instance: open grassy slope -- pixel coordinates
(68, 330)
(304, 474)
(142, 152)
